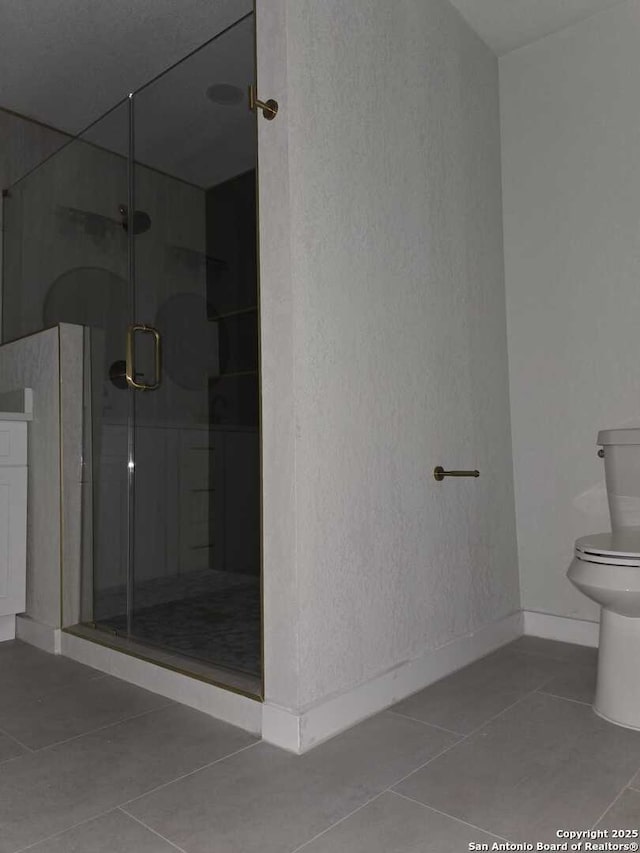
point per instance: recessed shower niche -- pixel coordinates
(168, 299)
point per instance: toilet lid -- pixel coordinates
(619, 548)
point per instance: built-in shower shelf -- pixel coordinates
(238, 312)
(193, 257)
(237, 373)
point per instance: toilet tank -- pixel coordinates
(621, 449)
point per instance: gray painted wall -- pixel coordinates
(570, 129)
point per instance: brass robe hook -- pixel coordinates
(269, 108)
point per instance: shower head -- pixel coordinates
(141, 220)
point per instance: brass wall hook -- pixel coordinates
(269, 108)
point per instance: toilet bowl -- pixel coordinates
(606, 568)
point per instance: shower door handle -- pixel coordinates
(130, 370)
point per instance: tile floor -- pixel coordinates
(507, 748)
(208, 615)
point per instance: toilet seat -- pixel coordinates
(621, 548)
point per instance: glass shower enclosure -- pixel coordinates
(142, 230)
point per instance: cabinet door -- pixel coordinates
(13, 540)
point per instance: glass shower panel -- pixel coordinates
(64, 242)
(142, 230)
(196, 555)
(66, 251)
(106, 579)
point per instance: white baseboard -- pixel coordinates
(37, 634)
(567, 630)
(223, 704)
(299, 732)
(7, 628)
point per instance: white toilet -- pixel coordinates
(606, 568)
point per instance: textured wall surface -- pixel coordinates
(395, 318)
(570, 130)
(71, 343)
(280, 570)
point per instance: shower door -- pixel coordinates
(192, 365)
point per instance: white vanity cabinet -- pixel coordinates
(13, 522)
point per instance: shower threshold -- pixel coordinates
(237, 682)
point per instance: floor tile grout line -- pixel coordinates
(155, 832)
(102, 728)
(549, 680)
(450, 816)
(67, 829)
(537, 689)
(19, 742)
(186, 775)
(564, 698)
(616, 798)
(120, 806)
(400, 796)
(12, 758)
(426, 763)
(513, 704)
(80, 823)
(389, 788)
(60, 688)
(461, 741)
(337, 823)
(425, 723)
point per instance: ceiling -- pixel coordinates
(67, 62)
(508, 24)
(178, 129)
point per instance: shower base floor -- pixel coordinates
(211, 617)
